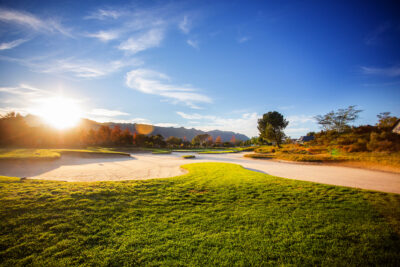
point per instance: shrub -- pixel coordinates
(188, 156)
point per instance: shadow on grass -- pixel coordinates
(29, 168)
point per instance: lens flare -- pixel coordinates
(144, 128)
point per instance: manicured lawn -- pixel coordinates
(217, 214)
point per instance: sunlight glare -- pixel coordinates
(59, 112)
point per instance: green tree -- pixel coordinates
(174, 141)
(338, 120)
(271, 127)
(385, 120)
(200, 139)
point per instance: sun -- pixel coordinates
(59, 112)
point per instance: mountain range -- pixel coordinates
(166, 132)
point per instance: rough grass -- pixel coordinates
(160, 151)
(218, 214)
(218, 151)
(371, 160)
(188, 156)
(51, 154)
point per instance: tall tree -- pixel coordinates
(386, 120)
(338, 120)
(233, 140)
(200, 139)
(218, 141)
(271, 127)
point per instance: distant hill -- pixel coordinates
(182, 132)
(164, 131)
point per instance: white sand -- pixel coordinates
(147, 166)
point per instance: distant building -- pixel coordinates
(303, 139)
(396, 127)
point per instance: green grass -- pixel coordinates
(15, 154)
(50, 154)
(160, 151)
(218, 151)
(371, 160)
(188, 156)
(216, 215)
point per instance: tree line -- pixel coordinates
(337, 131)
(14, 131)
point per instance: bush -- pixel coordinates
(188, 156)
(258, 156)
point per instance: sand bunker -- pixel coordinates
(147, 166)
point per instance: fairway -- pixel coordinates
(217, 214)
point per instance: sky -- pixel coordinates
(202, 64)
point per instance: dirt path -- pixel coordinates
(146, 166)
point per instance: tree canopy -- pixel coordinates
(338, 120)
(271, 127)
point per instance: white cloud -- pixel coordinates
(104, 36)
(299, 119)
(78, 68)
(23, 90)
(243, 39)
(297, 131)
(185, 25)
(107, 112)
(193, 43)
(102, 14)
(167, 124)
(393, 71)
(12, 44)
(151, 82)
(246, 123)
(143, 41)
(195, 116)
(28, 20)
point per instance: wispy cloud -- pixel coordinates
(393, 71)
(107, 112)
(246, 123)
(193, 43)
(195, 116)
(75, 67)
(26, 19)
(185, 25)
(296, 131)
(81, 68)
(167, 124)
(373, 37)
(299, 119)
(104, 36)
(156, 83)
(102, 14)
(300, 125)
(243, 39)
(12, 44)
(143, 41)
(23, 90)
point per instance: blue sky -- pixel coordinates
(202, 64)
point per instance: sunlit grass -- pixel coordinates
(50, 154)
(217, 214)
(188, 156)
(373, 160)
